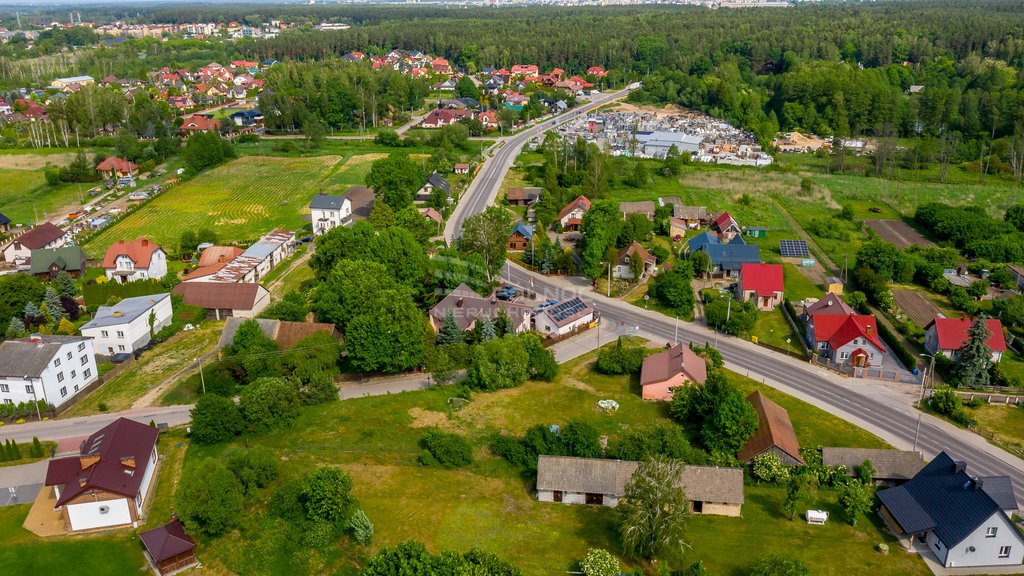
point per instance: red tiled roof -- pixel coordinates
(123, 448)
(219, 295)
(952, 333)
(218, 254)
(830, 305)
(764, 279)
(635, 249)
(774, 429)
(724, 221)
(167, 541)
(116, 164)
(40, 236)
(581, 202)
(139, 250)
(196, 123)
(841, 330)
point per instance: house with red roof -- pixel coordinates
(597, 71)
(727, 227)
(137, 259)
(46, 235)
(623, 269)
(180, 102)
(572, 215)
(5, 108)
(440, 66)
(30, 108)
(775, 433)
(831, 304)
(525, 70)
(846, 340)
(114, 167)
(198, 123)
(947, 336)
(666, 371)
(762, 284)
(443, 117)
(108, 483)
(489, 119)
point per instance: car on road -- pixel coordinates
(507, 292)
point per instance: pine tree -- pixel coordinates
(3, 452)
(65, 284)
(487, 331)
(51, 301)
(450, 332)
(47, 315)
(15, 328)
(37, 447)
(15, 450)
(33, 315)
(503, 325)
(975, 357)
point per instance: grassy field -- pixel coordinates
(797, 286)
(98, 555)
(25, 197)
(241, 200)
(490, 506)
(772, 328)
(1003, 425)
(151, 369)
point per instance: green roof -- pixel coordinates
(67, 258)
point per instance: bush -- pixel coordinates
(361, 527)
(948, 403)
(269, 404)
(447, 450)
(600, 562)
(513, 451)
(209, 497)
(768, 467)
(326, 496)
(621, 360)
(215, 419)
(255, 468)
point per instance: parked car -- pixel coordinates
(543, 305)
(507, 292)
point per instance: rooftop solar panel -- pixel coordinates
(794, 248)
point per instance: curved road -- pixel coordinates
(484, 188)
(883, 411)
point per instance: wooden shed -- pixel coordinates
(168, 548)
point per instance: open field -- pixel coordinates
(35, 160)
(375, 439)
(155, 366)
(898, 233)
(353, 172)
(25, 197)
(1003, 425)
(798, 286)
(915, 305)
(241, 200)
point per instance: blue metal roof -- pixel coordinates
(523, 229)
(700, 241)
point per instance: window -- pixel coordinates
(73, 374)
(60, 376)
(69, 354)
(990, 532)
(843, 355)
(87, 374)
(29, 389)
(63, 391)
(120, 334)
(81, 346)
(104, 334)
(121, 347)
(8, 401)
(1004, 551)
(5, 388)
(56, 362)
(84, 360)
(76, 387)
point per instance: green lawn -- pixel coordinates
(772, 328)
(1003, 425)
(22, 552)
(797, 286)
(155, 366)
(25, 197)
(490, 506)
(241, 200)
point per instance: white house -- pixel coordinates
(252, 264)
(138, 259)
(50, 368)
(125, 326)
(624, 270)
(329, 212)
(964, 520)
(45, 235)
(948, 335)
(564, 317)
(109, 482)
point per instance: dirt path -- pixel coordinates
(822, 259)
(275, 287)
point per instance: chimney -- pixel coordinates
(145, 242)
(36, 338)
(459, 303)
(959, 466)
(979, 483)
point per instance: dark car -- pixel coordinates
(120, 357)
(305, 239)
(507, 292)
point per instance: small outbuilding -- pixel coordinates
(168, 548)
(774, 434)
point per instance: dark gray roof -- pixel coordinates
(1001, 490)
(731, 256)
(4, 219)
(943, 498)
(889, 464)
(326, 202)
(24, 358)
(437, 181)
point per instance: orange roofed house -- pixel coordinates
(846, 340)
(198, 123)
(114, 167)
(774, 433)
(572, 215)
(137, 259)
(674, 368)
(108, 483)
(761, 283)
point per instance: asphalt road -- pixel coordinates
(485, 185)
(886, 415)
(85, 425)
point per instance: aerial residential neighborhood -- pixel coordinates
(510, 289)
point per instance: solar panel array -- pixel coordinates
(794, 248)
(567, 309)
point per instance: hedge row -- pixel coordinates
(99, 294)
(904, 355)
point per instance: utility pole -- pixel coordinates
(202, 379)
